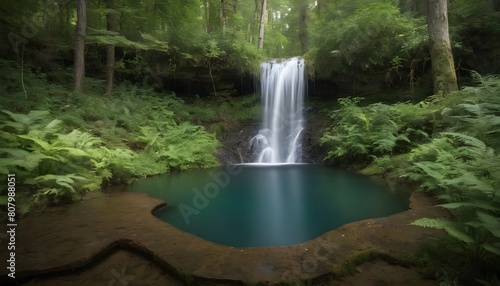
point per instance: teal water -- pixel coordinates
(248, 205)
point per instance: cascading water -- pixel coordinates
(283, 88)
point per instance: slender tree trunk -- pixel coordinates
(496, 5)
(260, 44)
(303, 36)
(252, 26)
(207, 15)
(223, 16)
(443, 67)
(409, 6)
(235, 5)
(110, 49)
(81, 25)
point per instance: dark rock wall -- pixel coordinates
(236, 147)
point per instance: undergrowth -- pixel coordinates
(447, 146)
(62, 144)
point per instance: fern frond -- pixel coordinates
(38, 138)
(490, 222)
(469, 181)
(447, 225)
(492, 248)
(30, 118)
(466, 139)
(22, 158)
(471, 204)
(79, 140)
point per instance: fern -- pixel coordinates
(21, 158)
(106, 140)
(449, 146)
(451, 228)
(79, 140)
(490, 222)
(471, 204)
(377, 129)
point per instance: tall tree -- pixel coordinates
(303, 35)
(223, 20)
(110, 49)
(443, 67)
(207, 16)
(260, 44)
(409, 6)
(81, 25)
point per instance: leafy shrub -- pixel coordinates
(57, 166)
(366, 37)
(82, 142)
(374, 130)
(452, 152)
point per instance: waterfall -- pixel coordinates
(283, 88)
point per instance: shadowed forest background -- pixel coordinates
(100, 93)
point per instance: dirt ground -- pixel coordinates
(113, 239)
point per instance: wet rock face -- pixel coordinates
(316, 122)
(236, 147)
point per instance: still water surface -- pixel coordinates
(249, 205)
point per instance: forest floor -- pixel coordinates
(111, 238)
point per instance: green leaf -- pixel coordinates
(75, 152)
(40, 142)
(23, 158)
(478, 204)
(491, 223)
(447, 225)
(53, 124)
(491, 248)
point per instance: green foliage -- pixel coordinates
(478, 111)
(455, 163)
(366, 37)
(473, 241)
(462, 164)
(46, 159)
(225, 114)
(450, 227)
(84, 142)
(452, 152)
(469, 22)
(374, 130)
(174, 145)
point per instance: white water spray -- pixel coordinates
(283, 88)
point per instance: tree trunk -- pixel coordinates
(223, 16)
(207, 16)
(260, 44)
(81, 25)
(496, 5)
(110, 49)
(303, 27)
(253, 26)
(409, 6)
(443, 67)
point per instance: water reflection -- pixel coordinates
(268, 205)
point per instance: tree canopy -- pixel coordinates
(344, 40)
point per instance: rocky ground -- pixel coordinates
(111, 238)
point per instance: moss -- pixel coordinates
(349, 267)
(443, 68)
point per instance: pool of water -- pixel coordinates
(277, 205)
